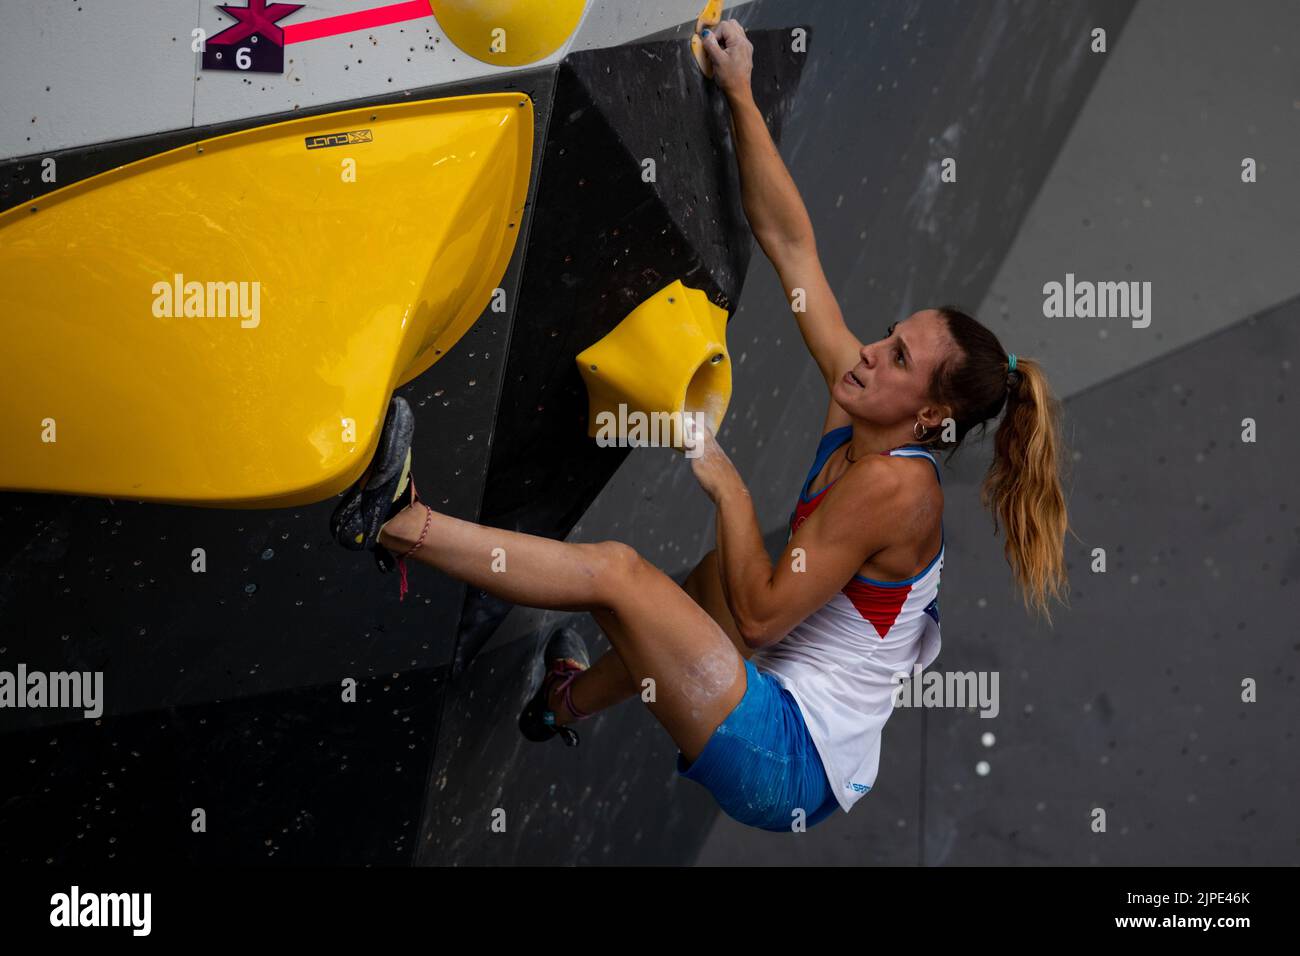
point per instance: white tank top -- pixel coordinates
(838, 663)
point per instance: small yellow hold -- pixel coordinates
(709, 17)
(701, 58)
(359, 538)
(668, 356)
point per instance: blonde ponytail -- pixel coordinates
(1023, 488)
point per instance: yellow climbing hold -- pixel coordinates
(224, 323)
(669, 355)
(508, 32)
(710, 16)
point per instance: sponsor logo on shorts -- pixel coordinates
(858, 787)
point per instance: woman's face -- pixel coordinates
(891, 382)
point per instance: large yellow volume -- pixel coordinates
(669, 355)
(222, 324)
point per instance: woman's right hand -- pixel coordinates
(732, 56)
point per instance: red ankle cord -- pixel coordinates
(401, 560)
(566, 688)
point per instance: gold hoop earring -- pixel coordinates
(920, 437)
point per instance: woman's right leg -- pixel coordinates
(657, 630)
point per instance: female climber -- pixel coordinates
(773, 680)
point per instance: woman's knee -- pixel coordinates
(620, 564)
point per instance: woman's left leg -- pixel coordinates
(607, 682)
(657, 630)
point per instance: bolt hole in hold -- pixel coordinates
(705, 393)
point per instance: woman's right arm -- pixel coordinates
(776, 211)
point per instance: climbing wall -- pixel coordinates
(222, 690)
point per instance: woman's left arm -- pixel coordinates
(743, 565)
(766, 601)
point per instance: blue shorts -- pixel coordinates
(760, 764)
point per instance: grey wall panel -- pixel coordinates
(348, 66)
(75, 73)
(399, 56)
(612, 22)
(1148, 188)
(1132, 702)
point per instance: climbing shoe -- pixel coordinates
(565, 658)
(386, 488)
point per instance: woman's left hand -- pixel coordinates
(713, 469)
